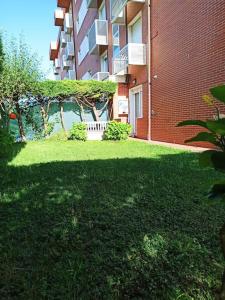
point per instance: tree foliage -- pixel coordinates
(19, 79)
(89, 90)
(1, 54)
(214, 133)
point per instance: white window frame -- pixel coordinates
(103, 5)
(78, 21)
(134, 20)
(132, 92)
(105, 54)
(81, 56)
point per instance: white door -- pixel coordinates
(135, 31)
(135, 107)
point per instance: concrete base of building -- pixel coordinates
(171, 145)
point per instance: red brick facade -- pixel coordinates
(185, 42)
(188, 57)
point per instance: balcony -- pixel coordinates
(98, 36)
(54, 50)
(131, 54)
(63, 3)
(92, 3)
(59, 17)
(66, 64)
(68, 23)
(63, 39)
(100, 76)
(118, 78)
(117, 9)
(57, 63)
(70, 51)
(56, 71)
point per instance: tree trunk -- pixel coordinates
(44, 117)
(82, 113)
(20, 123)
(96, 114)
(62, 116)
(222, 241)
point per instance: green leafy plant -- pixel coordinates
(214, 133)
(6, 142)
(117, 131)
(78, 132)
(49, 128)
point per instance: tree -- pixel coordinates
(91, 94)
(214, 133)
(1, 54)
(19, 78)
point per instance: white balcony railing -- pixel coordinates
(68, 23)
(100, 76)
(118, 78)
(63, 39)
(59, 16)
(98, 35)
(71, 75)
(70, 50)
(56, 71)
(92, 3)
(131, 54)
(66, 64)
(57, 63)
(117, 9)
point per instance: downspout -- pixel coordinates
(75, 58)
(149, 52)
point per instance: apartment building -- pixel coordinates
(164, 55)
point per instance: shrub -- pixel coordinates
(117, 131)
(6, 142)
(78, 132)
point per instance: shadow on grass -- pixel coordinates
(109, 229)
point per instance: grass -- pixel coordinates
(104, 220)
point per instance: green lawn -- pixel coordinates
(104, 220)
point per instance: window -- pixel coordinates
(116, 39)
(104, 62)
(84, 49)
(138, 104)
(102, 12)
(81, 15)
(135, 30)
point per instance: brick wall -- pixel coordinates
(188, 57)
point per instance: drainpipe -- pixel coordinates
(75, 52)
(149, 53)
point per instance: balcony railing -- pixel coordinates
(57, 63)
(117, 9)
(56, 71)
(70, 51)
(131, 54)
(100, 76)
(66, 64)
(92, 3)
(59, 16)
(68, 23)
(63, 39)
(98, 35)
